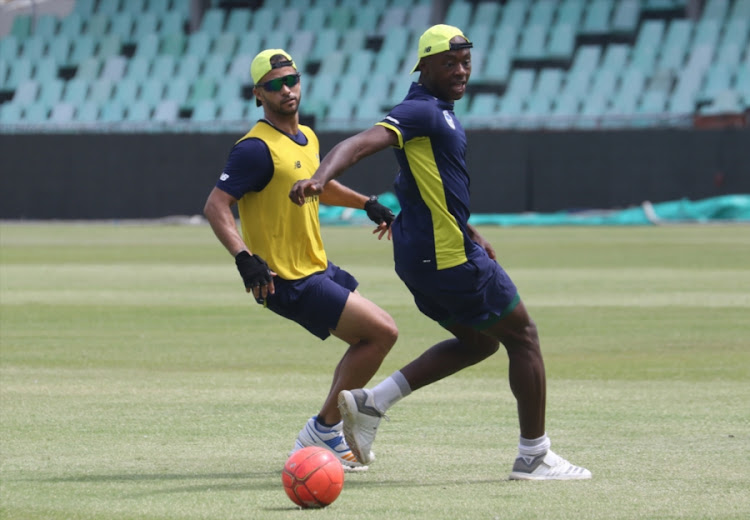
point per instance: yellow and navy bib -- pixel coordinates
(285, 235)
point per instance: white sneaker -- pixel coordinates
(361, 420)
(548, 466)
(315, 434)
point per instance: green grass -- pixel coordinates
(139, 381)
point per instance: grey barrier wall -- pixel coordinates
(119, 176)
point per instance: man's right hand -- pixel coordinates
(256, 275)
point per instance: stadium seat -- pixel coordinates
(112, 112)
(21, 27)
(231, 110)
(33, 48)
(26, 92)
(138, 111)
(167, 111)
(76, 91)
(151, 90)
(62, 112)
(177, 89)
(625, 17)
(263, 21)
(596, 18)
(46, 26)
(459, 13)
(561, 45)
(36, 113)
(87, 112)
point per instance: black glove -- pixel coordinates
(253, 269)
(377, 212)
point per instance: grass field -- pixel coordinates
(138, 381)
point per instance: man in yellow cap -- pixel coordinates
(280, 254)
(450, 269)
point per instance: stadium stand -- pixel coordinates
(536, 63)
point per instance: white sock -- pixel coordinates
(533, 447)
(391, 390)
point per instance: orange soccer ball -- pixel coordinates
(313, 477)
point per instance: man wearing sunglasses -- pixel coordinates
(280, 254)
(446, 264)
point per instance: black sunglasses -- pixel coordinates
(275, 84)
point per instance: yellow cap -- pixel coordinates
(262, 63)
(437, 39)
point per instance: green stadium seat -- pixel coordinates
(138, 67)
(109, 45)
(232, 110)
(653, 102)
(707, 32)
(71, 25)
(36, 113)
(681, 103)
(171, 22)
(46, 26)
(112, 112)
(360, 62)
(340, 18)
(228, 89)
(532, 43)
(84, 7)
(9, 48)
(263, 21)
(50, 92)
(177, 90)
(725, 102)
(521, 83)
(326, 42)
(45, 70)
(386, 63)
(289, 22)
(110, 7)
(97, 25)
(122, 26)
(592, 107)
(202, 88)
(214, 66)
(571, 11)
(740, 10)
(213, 21)
(396, 40)
(21, 27)
(718, 79)
(151, 91)
(562, 41)
(276, 40)
(333, 64)
(138, 111)
(21, 70)
(459, 13)
(62, 112)
(26, 92)
(486, 12)
(366, 19)
(239, 67)
(418, 18)
(542, 13)
(205, 110)
(166, 112)
(172, 44)
(145, 24)
(349, 87)
(238, 21)
(549, 83)
(393, 17)
(82, 48)
(126, 91)
(198, 44)
(497, 66)
(59, 49)
(33, 48)
(225, 44)
(88, 69)
(625, 17)
(302, 43)
(75, 91)
(604, 82)
(188, 67)
(596, 18)
(114, 68)
(10, 113)
(715, 10)
(368, 111)
(480, 35)
(514, 13)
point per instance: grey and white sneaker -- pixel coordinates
(315, 434)
(548, 466)
(361, 420)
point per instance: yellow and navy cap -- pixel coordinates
(437, 39)
(262, 65)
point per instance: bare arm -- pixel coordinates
(344, 155)
(336, 194)
(218, 211)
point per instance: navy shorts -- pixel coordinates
(315, 302)
(476, 293)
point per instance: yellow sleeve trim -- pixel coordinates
(396, 131)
